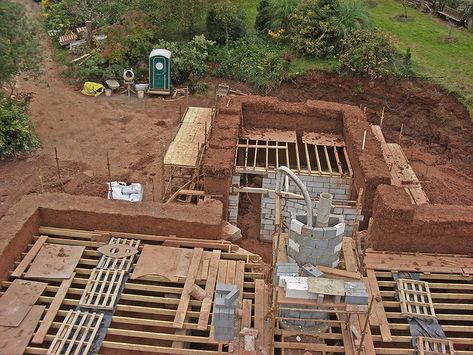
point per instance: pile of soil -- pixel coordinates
(438, 131)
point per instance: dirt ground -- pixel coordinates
(437, 134)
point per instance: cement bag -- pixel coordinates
(92, 89)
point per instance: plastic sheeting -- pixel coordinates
(92, 89)
(127, 191)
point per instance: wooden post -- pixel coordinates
(163, 180)
(109, 177)
(364, 141)
(382, 119)
(59, 171)
(40, 177)
(88, 25)
(205, 136)
(400, 133)
(363, 333)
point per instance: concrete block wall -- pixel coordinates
(340, 188)
(233, 202)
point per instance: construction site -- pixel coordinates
(358, 259)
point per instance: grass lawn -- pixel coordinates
(448, 64)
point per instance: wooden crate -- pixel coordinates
(76, 333)
(415, 299)
(434, 346)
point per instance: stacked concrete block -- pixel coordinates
(316, 246)
(233, 202)
(356, 293)
(286, 269)
(339, 187)
(226, 303)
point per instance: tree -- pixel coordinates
(19, 52)
(225, 21)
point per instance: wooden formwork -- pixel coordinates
(450, 286)
(145, 315)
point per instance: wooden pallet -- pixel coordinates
(434, 346)
(415, 299)
(107, 262)
(76, 334)
(102, 289)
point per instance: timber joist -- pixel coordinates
(145, 312)
(445, 284)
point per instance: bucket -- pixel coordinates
(141, 94)
(108, 92)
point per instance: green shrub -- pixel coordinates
(225, 24)
(188, 57)
(252, 60)
(311, 29)
(263, 17)
(370, 53)
(16, 132)
(349, 16)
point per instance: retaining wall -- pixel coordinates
(398, 225)
(21, 223)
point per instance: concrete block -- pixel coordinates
(356, 293)
(339, 228)
(330, 232)
(311, 270)
(296, 226)
(318, 233)
(293, 245)
(297, 287)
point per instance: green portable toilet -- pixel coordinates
(160, 72)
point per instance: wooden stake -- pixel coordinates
(382, 119)
(109, 177)
(364, 141)
(163, 181)
(40, 177)
(59, 171)
(400, 133)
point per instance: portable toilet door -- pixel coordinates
(160, 72)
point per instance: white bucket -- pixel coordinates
(141, 94)
(108, 92)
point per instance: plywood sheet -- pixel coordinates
(55, 261)
(184, 149)
(169, 262)
(14, 340)
(18, 300)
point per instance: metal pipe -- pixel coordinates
(323, 210)
(284, 170)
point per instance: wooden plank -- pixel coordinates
(240, 278)
(14, 340)
(378, 306)
(55, 261)
(260, 306)
(18, 300)
(20, 269)
(231, 270)
(185, 297)
(246, 313)
(222, 271)
(339, 273)
(52, 311)
(351, 261)
(209, 289)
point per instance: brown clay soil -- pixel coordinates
(437, 135)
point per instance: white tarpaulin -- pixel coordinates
(129, 191)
